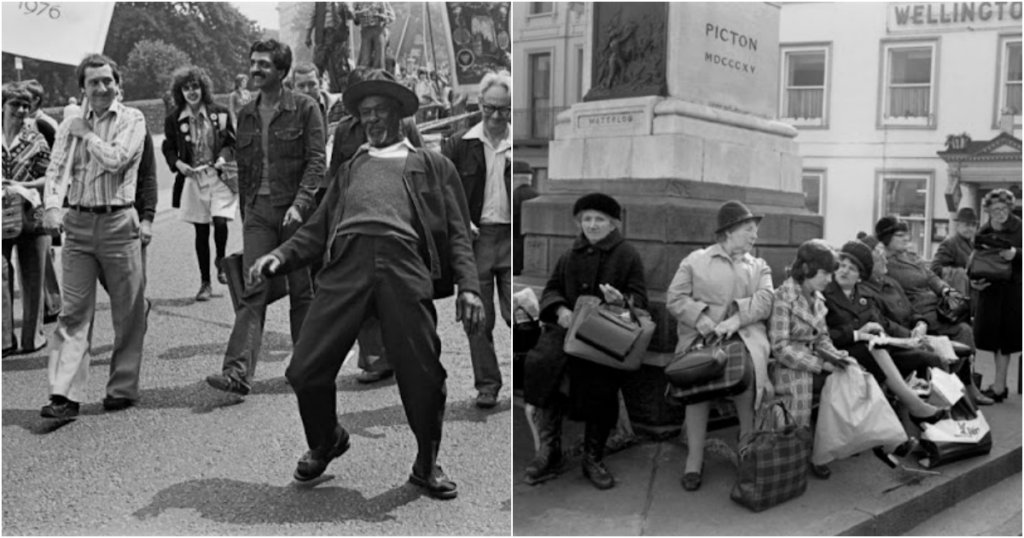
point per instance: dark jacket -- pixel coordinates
(439, 204)
(468, 156)
(954, 251)
(146, 186)
(848, 314)
(898, 315)
(349, 135)
(296, 151)
(1009, 236)
(923, 287)
(580, 270)
(998, 316)
(177, 148)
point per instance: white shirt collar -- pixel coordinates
(477, 132)
(398, 149)
(187, 112)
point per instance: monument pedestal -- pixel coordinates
(672, 160)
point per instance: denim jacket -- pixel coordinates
(297, 157)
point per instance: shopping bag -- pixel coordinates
(854, 416)
(773, 461)
(947, 387)
(232, 265)
(703, 362)
(988, 264)
(965, 434)
(736, 377)
(599, 333)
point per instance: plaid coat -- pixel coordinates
(797, 328)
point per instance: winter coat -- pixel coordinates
(923, 287)
(998, 317)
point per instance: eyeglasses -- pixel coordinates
(491, 109)
(999, 209)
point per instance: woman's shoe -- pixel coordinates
(931, 419)
(821, 471)
(879, 453)
(996, 397)
(692, 481)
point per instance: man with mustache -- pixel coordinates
(280, 154)
(103, 233)
(393, 238)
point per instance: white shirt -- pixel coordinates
(398, 150)
(496, 208)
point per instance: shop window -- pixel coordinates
(1010, 80)
(542, 8)
(804, 93)
(908, 86)
(814, 190)
(908, 197)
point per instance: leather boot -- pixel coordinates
(548, 462)
(594, 439)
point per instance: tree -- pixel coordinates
(147, 73)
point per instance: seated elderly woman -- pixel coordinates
(599, 263)
(798, 333)
(925, 290)
(854, 320)
(723, 291)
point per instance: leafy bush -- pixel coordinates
(147, 75)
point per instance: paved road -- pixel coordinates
(191, 460)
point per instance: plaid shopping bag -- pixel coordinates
(773, 461)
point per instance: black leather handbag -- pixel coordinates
(701, 363)
(989, 265)
(525, 333)
(954, 308)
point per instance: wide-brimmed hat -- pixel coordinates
(966, 214)
(382, 83)
(732, 213)
(859, 254)
(597, 201)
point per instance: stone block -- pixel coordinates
(535, 255)
(774, 229)
(791, 173)
(646, 220)
(805, 227)
(778, 258)
(566, 160)
(765, 170)
(728, 163)
(549, 215)
(613, 118)
(692, 221)
(668, 156)
(607, 158)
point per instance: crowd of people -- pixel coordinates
(829, 313)
(337, 196)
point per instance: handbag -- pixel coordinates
(987, 264)
(953, 307)
(703, 362)
(772, 461)
(965, 434)
(13, 217)
(232, 265)
(854, 416)
(600, 334)
(737, 375)
(524, 333)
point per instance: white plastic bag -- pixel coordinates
(854, 416)
(947, 387)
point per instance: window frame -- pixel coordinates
(822, 175)
(931, 121)
(1004, 41)
(785, 49)
(530, 55)
(928, 176)
(531, 13)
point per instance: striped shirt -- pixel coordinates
(106, 161)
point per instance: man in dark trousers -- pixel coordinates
(483, 156)
(280, 153)
(393, 239)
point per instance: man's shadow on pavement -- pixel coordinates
(246, 503)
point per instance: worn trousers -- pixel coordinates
(493, 252)
(372, 46)
(262, 232)
(385, 277)
(95, 243)
(32, 250)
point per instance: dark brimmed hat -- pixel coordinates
(887, 226)
(598, 202)
(966, 214)
(521, 167)
(859, 254)
(732, 213)
(381, 83)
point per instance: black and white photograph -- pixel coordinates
(257, 269)
(767, 268)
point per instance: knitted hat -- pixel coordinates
(966, 214)
(378, 82)
(859, 254)
(888, 226)
(732, 213)
(869, 240)
(598, 202)
(999, 195)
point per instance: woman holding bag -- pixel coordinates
(999, 306)
(722, 291)
(199, 141)
(853, 320)
(599, 263)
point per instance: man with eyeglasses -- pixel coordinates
(483, 156)
(392, 233)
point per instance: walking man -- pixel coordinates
(373, 19)
(280, 153)
(482, 155)
(103, 232)
(393, 239)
